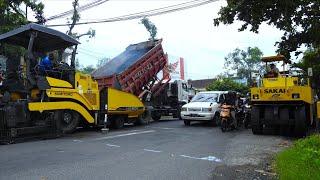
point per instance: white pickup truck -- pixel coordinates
(204, 106)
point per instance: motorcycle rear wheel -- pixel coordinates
(224, 126)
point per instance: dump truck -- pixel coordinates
(136, 71)
(282, 100)
(36, 101)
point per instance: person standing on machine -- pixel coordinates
(46, 63)
(273, 71)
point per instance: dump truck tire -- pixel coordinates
(156, 116)
(141, 120)
(69, 121)
(118, 122)
(144, 118)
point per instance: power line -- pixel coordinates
(92, 51)
(89, 54)
(81, 8)
(154, 12)
(161, 9)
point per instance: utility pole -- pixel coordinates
(27, 12)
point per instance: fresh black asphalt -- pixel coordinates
(161, 150)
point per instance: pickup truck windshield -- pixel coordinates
(205, 97)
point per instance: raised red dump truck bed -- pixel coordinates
(135, 69)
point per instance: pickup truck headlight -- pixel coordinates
(184, 109)
(206, 109)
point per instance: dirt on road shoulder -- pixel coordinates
(262, 171)
(249, 157)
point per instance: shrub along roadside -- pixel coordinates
(227, 84)
(301, 161)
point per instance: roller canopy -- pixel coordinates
(46, 40)
(275, 59)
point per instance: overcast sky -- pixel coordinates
(189, 34)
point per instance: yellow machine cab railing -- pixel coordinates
(280, 79)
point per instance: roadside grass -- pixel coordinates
(301, 161)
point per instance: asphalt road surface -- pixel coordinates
(161, 150)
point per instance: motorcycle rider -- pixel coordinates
(228, 111)
(231, 100)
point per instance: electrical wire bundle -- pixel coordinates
(81, 8)
(138, 15)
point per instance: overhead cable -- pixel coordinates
(81, 8)
(154, 12)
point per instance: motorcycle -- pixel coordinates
(247, 115)
(240, 116)
(227, 121)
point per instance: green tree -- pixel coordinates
(151, 28)
(299, 19)
(227, 84)
(244, 62)
(88, 69)
(74, 19)
(77, 64)
(102, 62)
(12, 15)
(311, 59)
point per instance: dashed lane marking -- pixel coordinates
(123, 135)
(166, 128)
(77, 140)
(209, 158)
(112, 145)
(151, 150)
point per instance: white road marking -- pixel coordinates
(164, 128)
(77, 140)
(125, 131)
(112, 145)
(188, 157)
(209, 158)
(151, 150)
(122, 135)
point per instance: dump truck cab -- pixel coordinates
(36, 98)
(282, 99)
